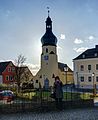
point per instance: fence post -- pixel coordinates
(40, 90)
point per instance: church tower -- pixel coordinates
(50, 67)
(49, 59)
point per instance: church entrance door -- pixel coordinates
(46, 83)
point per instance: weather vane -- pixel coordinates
(48, 10)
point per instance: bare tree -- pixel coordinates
(27, 78)
(19, 62)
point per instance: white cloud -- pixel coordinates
(6, 60)
(78, 41)
(62, 37)
(8, 12)
(91, 37)
(34, 68)
(81, 49)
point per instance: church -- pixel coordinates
(50, 67)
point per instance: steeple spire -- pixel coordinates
(49, 38)
(48, 11)
(48, 22)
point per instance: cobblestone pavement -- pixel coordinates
(74, 114)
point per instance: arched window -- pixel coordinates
(46, 83)
(46, 50)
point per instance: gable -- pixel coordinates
(3, 66)
(62, 65)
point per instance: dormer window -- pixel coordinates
(83, 56)
(95, 54)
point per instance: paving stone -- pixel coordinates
(74, 114)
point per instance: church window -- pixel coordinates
(49, 26)
(36, 81)
(46, 50)
(40, 76)
(53, 76)
(51, 52)
(46, 57)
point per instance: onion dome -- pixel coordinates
(49, 38)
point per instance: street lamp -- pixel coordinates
(93, 74)
(66, 70)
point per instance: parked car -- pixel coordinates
(7, 95)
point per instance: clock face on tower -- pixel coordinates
(46, 57)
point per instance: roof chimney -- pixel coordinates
(96, 46)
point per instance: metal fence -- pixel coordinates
(40, 99)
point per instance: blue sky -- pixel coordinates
(22, 24)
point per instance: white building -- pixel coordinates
(86, 69)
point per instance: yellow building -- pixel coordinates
(65, 73)
(49, 61)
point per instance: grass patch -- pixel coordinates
(46, 95)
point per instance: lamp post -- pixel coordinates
(93, 74)
(66, 70)
(77, 80)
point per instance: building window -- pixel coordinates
(89, 79)
(46, 57)
(97, 79)
(82, 79)
(10, 78)
(9, 69)
(95, 54)
(53, 76)
(7, 77)
(40, 76)
(13, 69)
(83, 56)
(51, 52)
(46, 50)
(89, 67)
(36, 81)
(81, 68)
(48, 26)
(96, 66)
